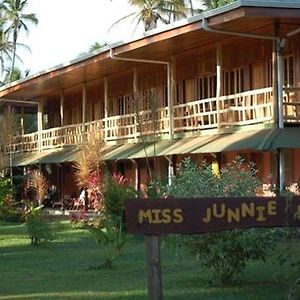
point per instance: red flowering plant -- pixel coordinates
(95, 186)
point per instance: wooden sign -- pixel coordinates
(201, 215)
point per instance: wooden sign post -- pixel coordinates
(153, 217)
(152, 243)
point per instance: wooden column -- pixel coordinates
(83, 118)
(61, 108)
(275, 80)
(136, 174)
(105, 107)
(219, 81)
(171, 84)
(22, 120)
(152, 243)
(136, 100)
(280, 78)
(40, 124)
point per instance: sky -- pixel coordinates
(69, 27)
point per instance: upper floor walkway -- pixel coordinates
(215, 114)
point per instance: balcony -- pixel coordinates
(247, 108)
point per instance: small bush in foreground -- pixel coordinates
(110, 236)
(225, 253)
(37, 226)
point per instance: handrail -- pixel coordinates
(249, 107)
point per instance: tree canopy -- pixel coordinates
(12, 21)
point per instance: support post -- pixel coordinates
(105, 108)
(152, 243)
(171, 92)
(275, 81)
(219, 82)
(280, 74)
(40, 124)
(281, 170)
(61, 108)
(136, 100)
(84, 96)
(22, 120)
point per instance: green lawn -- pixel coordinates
(62, 270)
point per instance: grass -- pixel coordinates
(62, 270)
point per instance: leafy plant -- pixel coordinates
(8, 207)
(116, 192)
(38, 185)
(110, 236)
(90, 164)
(225, 253)
(37, 226)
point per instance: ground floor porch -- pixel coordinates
(272, 151)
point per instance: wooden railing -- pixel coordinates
(247, 108)
(251, 107)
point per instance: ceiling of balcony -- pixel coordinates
(158, 46)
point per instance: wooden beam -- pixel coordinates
(219, 81)
(62, 100)
(105, 107)
(40, 123)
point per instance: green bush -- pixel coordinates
(224, 253)
(116, 192)
(8, 207)
(37, 226)
(110, 236)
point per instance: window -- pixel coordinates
(206, 86)
(233, 81)
(288, 70)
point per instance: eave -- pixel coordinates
(244, 15)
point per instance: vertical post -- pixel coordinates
(22, 120)
(61, 108)
(105, 108)
(280, 74)
(280, 82)
(170, 88)
(136, 173)
(40, 124)
(281, 170)
(84, 96)
(152, 243)
(275, 80)
(219, 82)
(170, 169)
(136, 100)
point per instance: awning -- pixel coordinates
(260, 140)
(29, 158)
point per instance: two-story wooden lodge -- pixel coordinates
(218, 85)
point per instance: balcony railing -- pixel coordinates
(251, 107)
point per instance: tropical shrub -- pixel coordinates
(110, 236)
(224, 253)
(37, 226)
(8, 207)
(116, 192)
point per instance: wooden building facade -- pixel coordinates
(218, 85)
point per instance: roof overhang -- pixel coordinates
(251, 16)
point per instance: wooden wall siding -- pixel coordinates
(246, 95)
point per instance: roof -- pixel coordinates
(250, 16)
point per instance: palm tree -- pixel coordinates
(149, 12)
(16, 20)
(191, 7)
(210, 4)
(13, 75)
(97, 46)
(6, 49)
